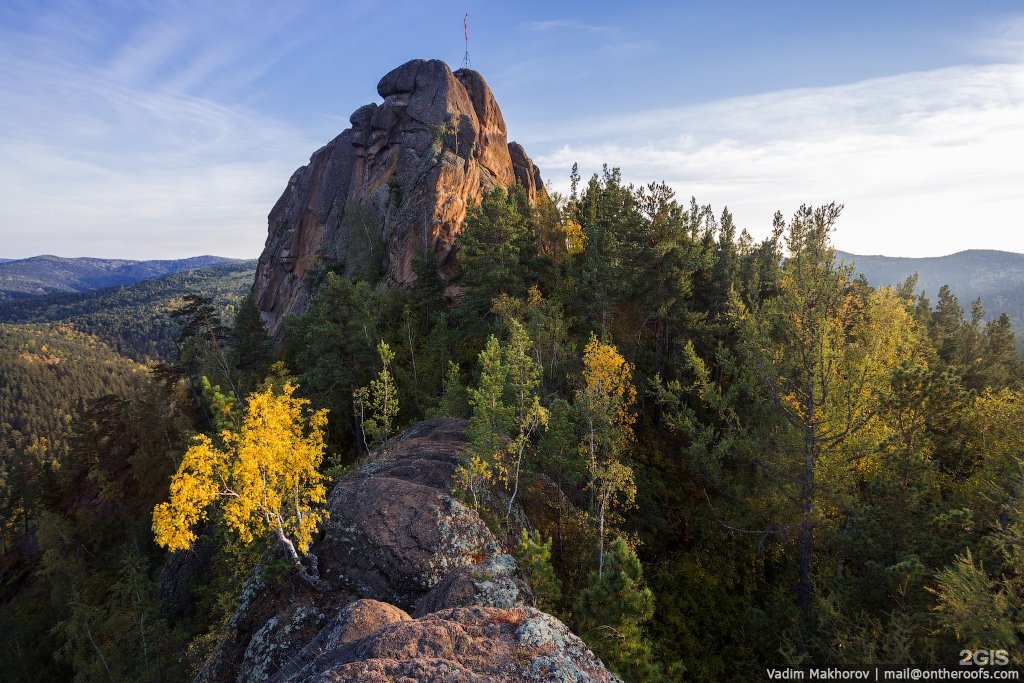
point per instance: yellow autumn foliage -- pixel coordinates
(265, 478)
(608, 380)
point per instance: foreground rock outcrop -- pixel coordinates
(419, 590)
(397, 182)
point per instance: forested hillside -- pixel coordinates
(731, 454)
(47, 373)
(24, 278)
(133, 319)
(995, 277)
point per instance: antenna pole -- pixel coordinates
(465, 30)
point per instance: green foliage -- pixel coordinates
(611, 613)
(380, 401)
(454, 401)
(89, 597)
(506, 412)
(251, 352)
(974, 608)
(493, 417)
(495, 244)
(45, 370)
(46, 373)
(534, 556)
(558, 449)
(122, 638)
(332, 348)
(703, 617)
(993, 277)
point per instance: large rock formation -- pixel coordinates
(419, 590)
(397, 182)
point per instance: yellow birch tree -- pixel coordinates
(605, 405)
(265, 479)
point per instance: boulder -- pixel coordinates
(399, 542)
(393, 539)
(493, 583)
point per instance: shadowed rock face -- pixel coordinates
(397, 182)
(420, 590)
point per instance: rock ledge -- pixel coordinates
(420, 590)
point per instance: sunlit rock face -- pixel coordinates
(397, 182)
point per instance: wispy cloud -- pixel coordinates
(116, 156)
(566, 25)
(924, 162)
(133, 129)
(1001, 40)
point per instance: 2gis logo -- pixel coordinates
(984, 658)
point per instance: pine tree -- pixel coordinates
(534, 556)
(611, 613)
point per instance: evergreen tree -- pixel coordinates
(332, 349)
(611, 613)
(494, 245)
(534, 556)
(251, 345)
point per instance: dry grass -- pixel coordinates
(515, 616)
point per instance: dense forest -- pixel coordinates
(732, 454)
(134, 319)
(995, 277)
(46, 371)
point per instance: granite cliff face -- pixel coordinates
(418, 590)
(397, 182)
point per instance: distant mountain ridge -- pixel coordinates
(47, 274)
(996, 277)
(135, 319)
(969, 274)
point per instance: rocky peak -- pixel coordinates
(397, 182)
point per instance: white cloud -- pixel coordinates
(926, 163)
(111, 143)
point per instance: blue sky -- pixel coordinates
(168, 129)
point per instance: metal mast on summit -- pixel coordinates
(465, 29)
